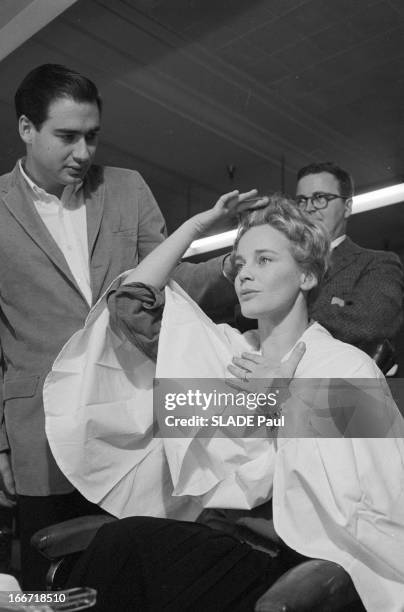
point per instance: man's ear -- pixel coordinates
(26, 129)
(348, 208)
(309, 280)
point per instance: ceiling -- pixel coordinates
(202, 96)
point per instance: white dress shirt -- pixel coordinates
(337, 241)
(66, 221)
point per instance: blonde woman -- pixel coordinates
(339, 499)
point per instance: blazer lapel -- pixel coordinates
(94, 210)
(94, 199)
(341, 257)
(17, 201)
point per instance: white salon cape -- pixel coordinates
(340, 499)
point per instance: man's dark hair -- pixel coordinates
(345, 180)
(50, 82)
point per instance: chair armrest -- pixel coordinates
(312, 586)
(382, 353)
(69, 537)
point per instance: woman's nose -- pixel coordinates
(245, 273)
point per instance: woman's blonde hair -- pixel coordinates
(309, 243)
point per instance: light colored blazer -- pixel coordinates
(41, 305)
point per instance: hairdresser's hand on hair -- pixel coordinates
(228, 206)
(252, 370)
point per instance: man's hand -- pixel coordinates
(250, 367)
(7, 494)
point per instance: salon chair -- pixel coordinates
(311, 586)
(63, 543)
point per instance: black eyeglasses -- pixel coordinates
(318, 200)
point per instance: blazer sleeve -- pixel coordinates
(152, 227)
(203, 281)
(373, 309)
(208, 287)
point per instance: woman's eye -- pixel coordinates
(264, 260)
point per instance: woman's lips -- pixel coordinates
(247, 294)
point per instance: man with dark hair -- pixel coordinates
(360, 300)
(48, 82)
(75, 227)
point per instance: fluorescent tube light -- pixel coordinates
(211, 243)
(378, 198)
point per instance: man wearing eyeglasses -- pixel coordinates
(360, 300)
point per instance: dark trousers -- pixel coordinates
(151, 564)
(36, 513)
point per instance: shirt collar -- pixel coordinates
(39, 190)
(30, 182)
(337, 241)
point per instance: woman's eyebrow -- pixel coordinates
(259, 251)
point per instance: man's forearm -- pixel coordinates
(207, 285)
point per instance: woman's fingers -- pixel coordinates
(252, 357)
(288, 368)
(227, 200)
(251, 203)
(246, 195)
(251, 362)
(233, 203)
(245, 367)
(247, 362)
(238, 372)
(227, 197)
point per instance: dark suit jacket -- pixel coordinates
(41, 305)
(360, 300)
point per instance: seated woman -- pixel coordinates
(339, 499)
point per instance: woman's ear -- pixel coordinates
(309, 280)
